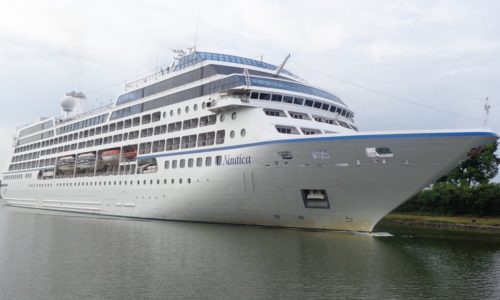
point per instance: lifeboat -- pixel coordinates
(86, 160)
(130, 154)
(66, 163)
(111, 155)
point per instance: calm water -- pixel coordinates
(48, 255)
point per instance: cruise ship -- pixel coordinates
(226, 139)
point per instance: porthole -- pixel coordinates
(195, 107)
(233, 116)
(171, 112)
(222, 117)
(179, 111)
(243, 132)
(231, 134)
(164, 114)
(203, 105)
(187, 109)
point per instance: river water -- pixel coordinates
(49, 255)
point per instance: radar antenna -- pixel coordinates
(280, 68)
(487, 108)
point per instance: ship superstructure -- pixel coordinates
(227, 139)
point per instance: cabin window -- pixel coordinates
(156, 116)
(254, 95)
(146, 119)
(190, 163)
(208, 161)
(298, 101)
(218, 160)
(309, 103)
(274, 112)
(264, 96)
(309, 131)
(220, 136)
(182, 163)
(276, 98)
(317, 104)
(286, 129)
(136, 121)
(199, 162)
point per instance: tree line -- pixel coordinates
(465, 190)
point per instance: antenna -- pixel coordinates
(487, 108)
(196, 32)
(281, 66)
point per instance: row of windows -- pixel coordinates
(36, 128)
(112, 182)
(196, 57)
(200, 140)
(296, 115)
(292, 130)
(185, 142)
(83, 124)
(190, 162)
(301, 101)
(146, 119)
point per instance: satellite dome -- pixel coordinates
(68, 104)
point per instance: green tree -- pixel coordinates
(479, 168)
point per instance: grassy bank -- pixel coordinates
(461, 222)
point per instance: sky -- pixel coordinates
(397, 64)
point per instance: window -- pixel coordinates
(190, 163)
(220, 137)
(233, 116)
(264, 96)
(119, 125)
(276, 97)
(218, 160)
(146, 119)
(286, 129)
(274, 112)
(112, 127)
(287, 99)
(208, 161)
(309, 103)
(309, 131)
(182, 163)
(297, 115)
(199, 162)
(156, 116)
(167, 164)
(231, 134)
(136, 121)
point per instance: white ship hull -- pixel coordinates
(262, 188)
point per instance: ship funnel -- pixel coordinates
(73, 103)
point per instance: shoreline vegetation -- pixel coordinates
(469, 223)
(464, 199)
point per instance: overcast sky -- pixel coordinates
(443, 55)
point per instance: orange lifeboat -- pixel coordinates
(111, 155)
